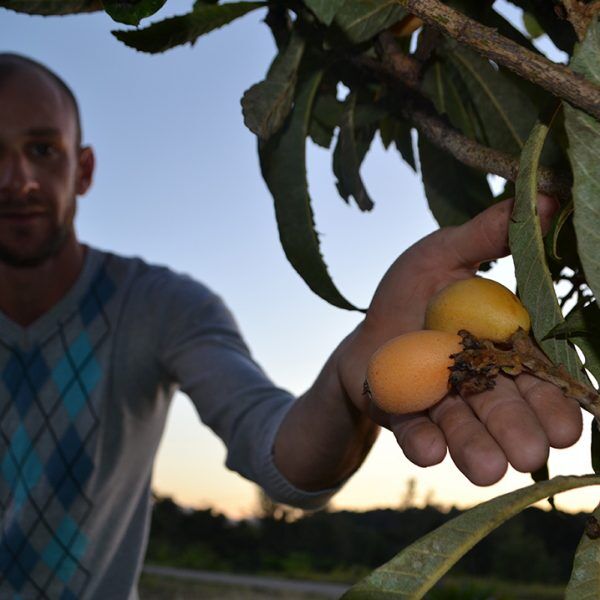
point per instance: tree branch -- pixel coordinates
(580, 15)
(557, 79)
(402, 73)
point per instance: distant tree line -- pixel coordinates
(535, 546)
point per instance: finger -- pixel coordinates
(485, 237)
(422, 442)
(559, 416)
(474, 451)
(513, 424)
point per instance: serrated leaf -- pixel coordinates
(443, 90)
(416, 569)
(393, 130)
(326, 116)
(534, 281)
(585, 574)
(349, 153)
(283, 166)
(52, 7)
(455, 193)
(131, 12)
(584, 150)
(360, 20)
(325, 10)
(505, 113)
(266, 105)
(185, 29)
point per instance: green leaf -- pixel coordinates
(417, 568)
(534, 281)
(583, 322)
(595, 449)
(52, 7)
(543, 474)
(557, 224)
(399, 132)
(131, 12)
(283, 166)
(505, 113)
(326, 115)
(450, 97)
(185, 29)
(582, 328)
(360, 20)
(584, 149)
(558, 29)
(585, 575)
(455, 192)
(349, 154)
(325, 10)
(266, 105)
(534, 29)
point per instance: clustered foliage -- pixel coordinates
(483, 100)
(534, 547)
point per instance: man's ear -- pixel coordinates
(85, 170)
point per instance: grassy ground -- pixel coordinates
(153, 587)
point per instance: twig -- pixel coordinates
(403, 75)
(557, 79)
(580, 15)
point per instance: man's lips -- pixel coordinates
(20, 217)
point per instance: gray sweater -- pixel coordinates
(84, 394)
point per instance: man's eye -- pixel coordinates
(42, 150)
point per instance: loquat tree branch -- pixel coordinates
(473, 154)
(559, 80)
(403, 73)
(580, 15)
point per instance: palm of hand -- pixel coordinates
(516, 422)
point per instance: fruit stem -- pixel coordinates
(477, 366)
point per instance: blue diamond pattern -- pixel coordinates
(21, 467)
(68, 544)
(100, 292)
(14, 543)
(24, 375)
(80, 359)
(67, 486)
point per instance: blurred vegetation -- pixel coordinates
(536, 546)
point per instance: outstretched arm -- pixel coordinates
(330, 429)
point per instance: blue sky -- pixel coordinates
(178, 183)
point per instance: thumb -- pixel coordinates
(485, 237)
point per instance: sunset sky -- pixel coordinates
(178, 183)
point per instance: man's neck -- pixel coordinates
(28, 293)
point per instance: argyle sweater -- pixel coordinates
(84, 394)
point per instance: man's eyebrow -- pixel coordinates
(44, 132)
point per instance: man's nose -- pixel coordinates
(17, 178)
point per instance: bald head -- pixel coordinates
(12, 65)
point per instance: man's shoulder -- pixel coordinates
(151, 280)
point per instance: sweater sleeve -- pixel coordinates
(202, 350)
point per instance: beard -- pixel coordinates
(47, 249)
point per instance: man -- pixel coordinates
(93, 344)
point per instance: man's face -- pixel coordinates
(42, 169)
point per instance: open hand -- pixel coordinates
(517, 421)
